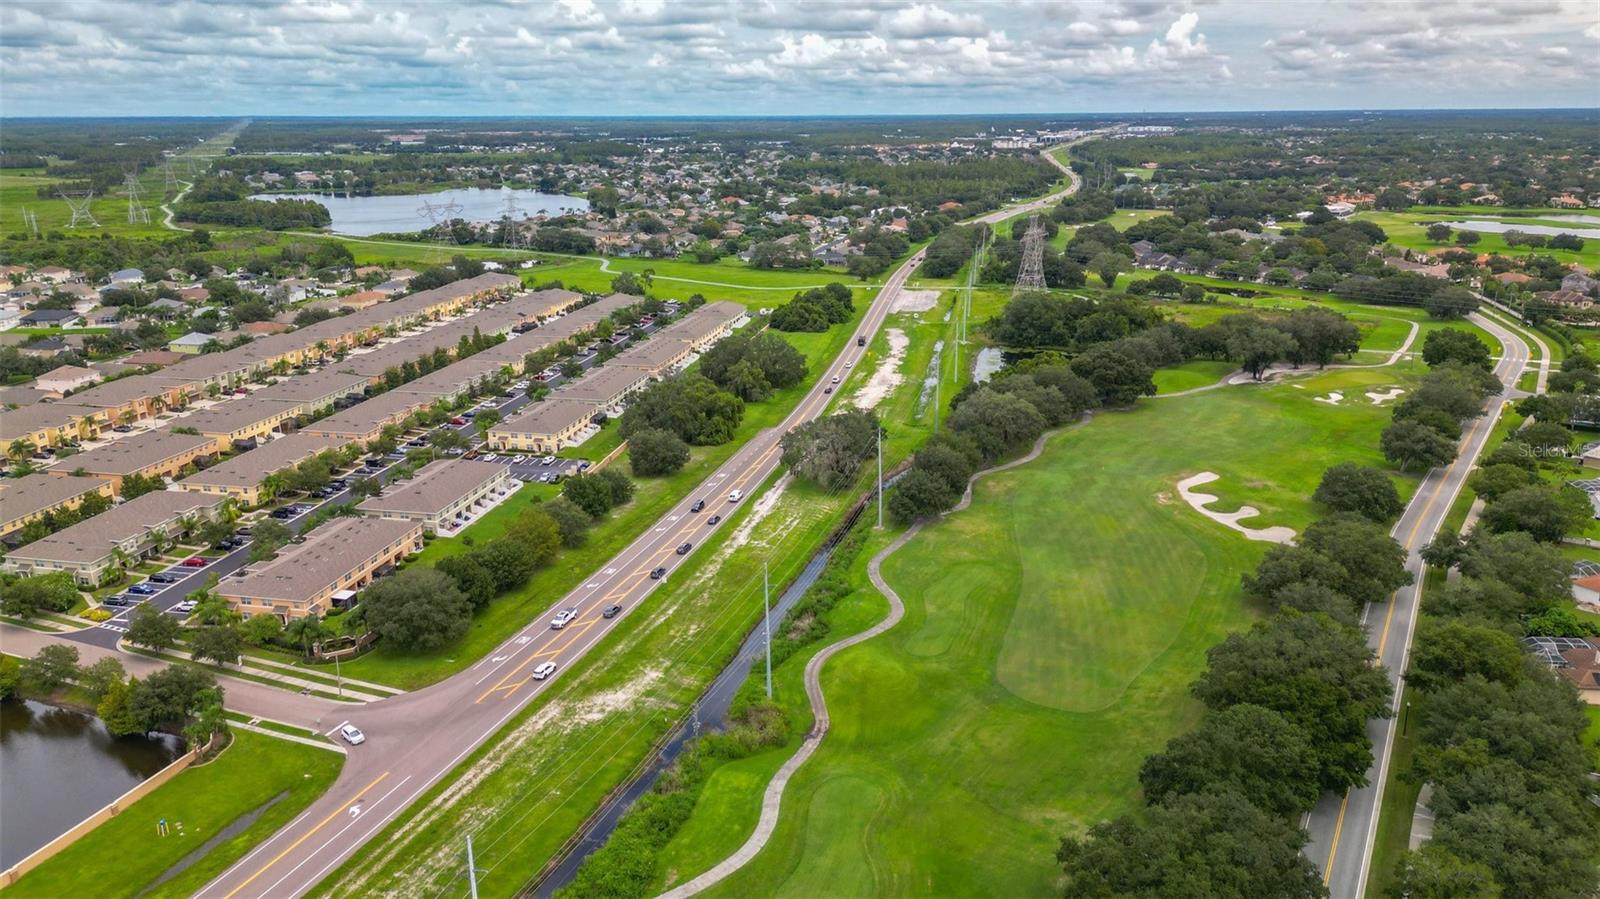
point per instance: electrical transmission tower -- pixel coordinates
(1030, 275)
(170, 176)
(137, 214)
(511, 231)
(81, 213)
(441, 213)
(30, 221)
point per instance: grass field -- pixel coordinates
(1409, 229)
(1191, 375)
(1029, 678)
(124, 856)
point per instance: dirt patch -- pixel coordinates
(1201, 503)
(915, 301)
(886, 377)
(763, 507)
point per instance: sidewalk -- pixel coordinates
(248, 671)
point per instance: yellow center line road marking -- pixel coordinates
(307, 835)
(1333, 848)
(578, 631)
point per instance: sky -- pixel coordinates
(785, 57)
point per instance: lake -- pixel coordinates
(363, 216)
(62, 766)
(1502, 227)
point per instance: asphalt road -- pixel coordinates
(1343, 827)
(415, 739)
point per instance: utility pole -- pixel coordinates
(472, 872)
(880, 476)
(766, 620)
(338, 675)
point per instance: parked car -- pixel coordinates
(122, 429)
(185, 607)
(352, 734)
(611, 611)
(683, 550)
(544, 670)
(584, 466)
(144, 589)
(194, 562)
(283, 514)
(699, 506)
(458, 421)
(116, 601)
(658, 574)
(165, 578)
(563, 618)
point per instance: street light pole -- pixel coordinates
(766, 622)
(472, 872)
(880, 476)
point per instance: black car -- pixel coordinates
(164, 578)
(611, 611)
(284, 513)
(658, 574)
(715, 519)
(684, 549)
(699, 506)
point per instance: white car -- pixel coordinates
(544, 670)
(352, 734)
(563, 618)
(185, 607)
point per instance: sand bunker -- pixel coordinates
(886, 377)
(1200, 501)
(1379, 399)
(1333, 399)
(915, 301)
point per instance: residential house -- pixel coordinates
(150, 454)
(28, 499)
(98, 548)
(544, 427)
(192, 343)
(442, 494)
(66, 378)
(338, 559)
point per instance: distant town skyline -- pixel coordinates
(766, 57)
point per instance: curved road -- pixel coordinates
(1343, 827)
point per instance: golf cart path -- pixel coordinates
(1274, 372)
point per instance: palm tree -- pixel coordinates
(23, 468)
(272, 485)
(21, 448)
(128, 417)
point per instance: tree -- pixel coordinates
(417, 609)
(537, 534)
(1193, 846)
(259, 630)
(470, 577)
(167, 699)
(1368, 492)
(1314, 597)
(1545, 513)
(920, 494)
(1450, 303)
(1408, 442)
(267, 537)
(1545, 437)
(10, 676)
(657, 451)
(829, 451)
(1433, 872)
(572, 521)
(998, 423)
(1493, 481)
(28, 596)
(97, 678)
(51, 668)
(1319, 335)
(1108, 266)
(1246, 748)
(214, 531)
(1118, 379)
(507, 562)
(1439, 232)
(114, 709)
(1316, 673)
(689, 405)
(1257, 345)
(628, 283)
(483, 421)
(153, 629)
(1455, 345)
(1448, 650)
(1374, 564)
(218, 643)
